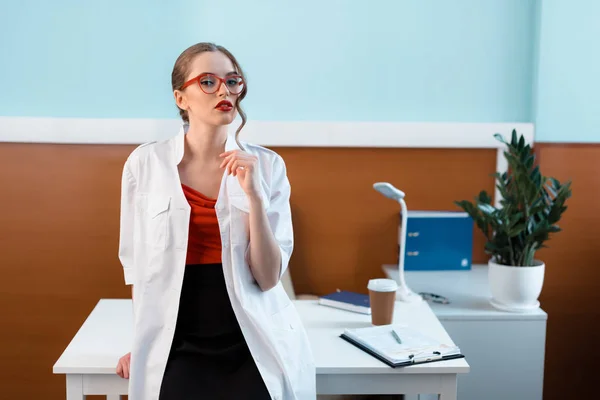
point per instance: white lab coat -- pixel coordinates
(155, 219)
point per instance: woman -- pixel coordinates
(206, 234)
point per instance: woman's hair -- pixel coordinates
(181, 70)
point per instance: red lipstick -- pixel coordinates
(225, 106)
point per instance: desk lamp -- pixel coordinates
(389, 191)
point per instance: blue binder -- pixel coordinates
(438, 240)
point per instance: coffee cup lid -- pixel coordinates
(383, 285)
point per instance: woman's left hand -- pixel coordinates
(245, 167)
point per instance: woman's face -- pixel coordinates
(217, 108)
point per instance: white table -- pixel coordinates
(501, 346)
(90, 359)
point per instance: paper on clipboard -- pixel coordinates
(415, 347)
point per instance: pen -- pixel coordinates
(396, 336)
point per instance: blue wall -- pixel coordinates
(568, 82)
(80, 58)
(411, 60)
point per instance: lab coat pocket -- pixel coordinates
(153, 219)
(287, 334)
(240, 219)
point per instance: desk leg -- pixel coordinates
(75, 387)
(449, 388)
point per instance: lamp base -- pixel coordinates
(406, 295)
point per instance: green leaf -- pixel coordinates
(516, 230)
(486, 208)
(554, 229)
(550, 187)
(484, 197)
(500, 138)
(521, 141)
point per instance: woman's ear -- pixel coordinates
(180, 99)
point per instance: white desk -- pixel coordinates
(90, 359)
(505, 350)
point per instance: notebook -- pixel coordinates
(415, 347)
(345, 300)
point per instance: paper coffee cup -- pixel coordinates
(382, 295)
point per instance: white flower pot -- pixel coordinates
(516, 289)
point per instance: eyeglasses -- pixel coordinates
(210, 83)
(436, 298)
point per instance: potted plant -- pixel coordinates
(531, 207)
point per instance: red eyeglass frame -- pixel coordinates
(221, 82)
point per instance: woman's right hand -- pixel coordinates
(123, 366)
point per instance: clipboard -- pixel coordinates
(414, 359)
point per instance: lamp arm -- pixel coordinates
(402, 249)
(404, 293)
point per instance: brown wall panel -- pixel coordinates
(571, 287)
(345, 230)
(58, 242)
(58, 237)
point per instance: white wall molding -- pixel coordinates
(382, 134)
(267, 133)
(85, 130)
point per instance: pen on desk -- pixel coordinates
(396, 336)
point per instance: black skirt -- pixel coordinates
(209, 358)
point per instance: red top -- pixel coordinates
(204, 241)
